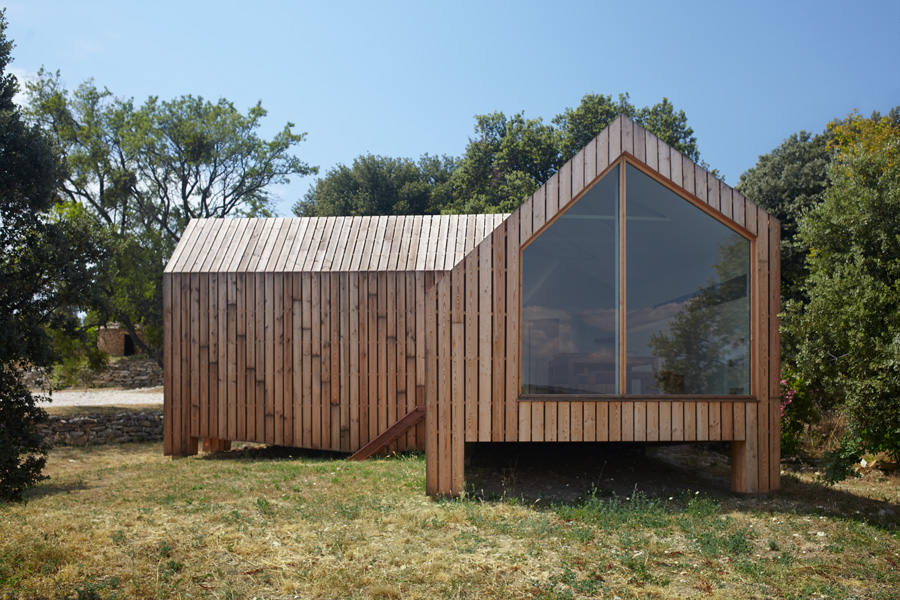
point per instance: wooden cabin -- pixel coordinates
(632, 298)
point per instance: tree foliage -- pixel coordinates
(47, 261)
(848, 334)
(508, 158)
(379, 185)
(143, 172)
(505, 163)
(788, 182)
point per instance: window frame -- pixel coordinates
(621, 162)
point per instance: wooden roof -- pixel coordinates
(387, 243)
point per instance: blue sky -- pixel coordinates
(406, 78)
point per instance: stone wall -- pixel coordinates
(99, 428)
(130, 373)
(127, 373)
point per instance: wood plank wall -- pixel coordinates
(312, 360)
(327, 359)
(472, 363)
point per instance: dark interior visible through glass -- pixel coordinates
(687, 318)
(687, 296)
(569, 298)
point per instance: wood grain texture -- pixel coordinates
(324, 332)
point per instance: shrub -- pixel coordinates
(23, 451)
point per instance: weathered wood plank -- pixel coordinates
(485, 359)
(168, 365)
(539, 210)
(653, 421)
(221, 430)
(315, 280)
(432, 460)
(444, 370)
(250, 371)
(727, 421)
(675, 161)
(354, 350)
(628, 136)
(564, 182)
(640, 421)
(410, 342)
(603, 421)
(393, 388)
(288, 357)
(364, 435)
(298, 361)
(701, 189)
(344, 433)
(327, 356)
(715, 421)
(678, 422)
(615, 138)
(471, 349)
(373, 402)
(498, 350)
(665, 421)
(382, 397)
(702, 421)
(603, 155)
(614, 421)
(690, 421)
(270, 317)
(627, 415)
(335, 414)
(241, 358)
(259, 284)
(511, 281)
(194, 418)
(278, 341)
(651, 143)
(456, 396)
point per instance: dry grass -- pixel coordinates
(125, 522)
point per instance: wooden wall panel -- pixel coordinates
(511, 319)
(241, 357)
(498, 334)
(331, 357)
(168, 348)
(471, 351)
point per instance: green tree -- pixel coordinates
(671, 127)
(507, 161)
(788, 182)
(379, 185)
(578, 126)
(510, 157)
(143, 172)
(848, 333)
(47, 261)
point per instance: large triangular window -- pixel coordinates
(682, 276)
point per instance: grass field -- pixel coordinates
(126, 522)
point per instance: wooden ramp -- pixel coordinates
(407, 422)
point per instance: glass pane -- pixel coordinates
(688, 296)
(569, 291)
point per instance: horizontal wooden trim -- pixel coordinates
(660, 398)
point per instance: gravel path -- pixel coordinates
(107, 396)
